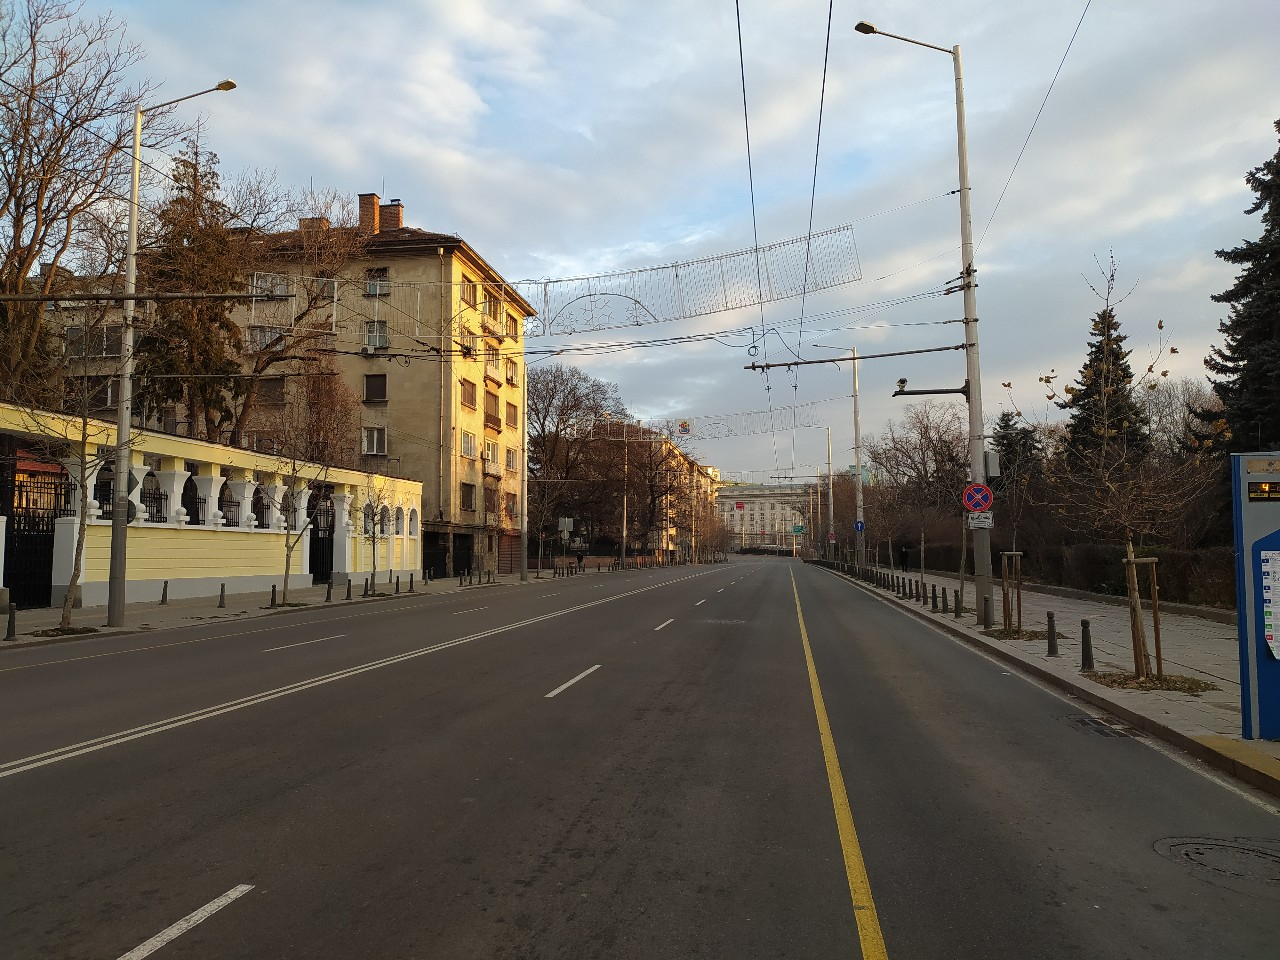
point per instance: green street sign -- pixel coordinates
(798, 528)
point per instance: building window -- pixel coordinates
(491, 500)
(512, 372)
(513, 458)
(513, 328)
(375, 388)
(271, 391)
(492, 420)
(467, 495)
(377, 282)
(468, 444)
(467, 291)
(374, 441)
(376, 334)
(95, 342)
(468, 394)
(513, 508)
(513, 415)
(467, 343)
(491, 451)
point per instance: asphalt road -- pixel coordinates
(635, 765)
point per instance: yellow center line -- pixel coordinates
(870, 937)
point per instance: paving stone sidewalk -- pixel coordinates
(1207, 725)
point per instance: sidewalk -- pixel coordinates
(141, 617)
(1207, 726)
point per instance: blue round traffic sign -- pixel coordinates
(977, 498)
(859, 526)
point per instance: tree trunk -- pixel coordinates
(82, 525)
(922, 560)
(1137, 629)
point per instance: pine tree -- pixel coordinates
(190, 356)
(1107, 424)
(1248, 362)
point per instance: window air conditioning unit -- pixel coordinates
(366, 349)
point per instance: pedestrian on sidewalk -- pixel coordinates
(581, 564)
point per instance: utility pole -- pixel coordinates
(860, 533)
(831, 503)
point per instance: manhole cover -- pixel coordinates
(1244, 864)
(1102, 726)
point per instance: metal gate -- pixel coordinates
(28, 546)
(321, 546)
(509, 553)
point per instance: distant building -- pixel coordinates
(765, 515)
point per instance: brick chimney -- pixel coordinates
(369, 213)
(391, 215)
(313, 224)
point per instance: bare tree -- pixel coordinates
(312, 433)
(66, 120)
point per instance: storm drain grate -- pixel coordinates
(1102, 726)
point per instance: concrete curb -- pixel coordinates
(1256, 769)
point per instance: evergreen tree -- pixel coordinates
(190, 355)
(1106, 422)
(1248, 362)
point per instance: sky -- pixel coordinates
(565, 138)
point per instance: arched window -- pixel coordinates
(413, 523)
(399, 521)
(288, 506)
(260, 507)
(384, 521)
(368, 519)
(103, 490)
(229, 507)
(192, 502)
(154, 499)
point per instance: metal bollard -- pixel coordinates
(956, 594)
(164, 593)
(222, 596)
(944, 601)
(11, 630)
(460, 576)
(411, 583)
(366, 587)
(1053, 635)
(986, 613)
(273, 595)
(934, 597)
(348, 588)
(1086, 648)
(397, 583)
(328, 591)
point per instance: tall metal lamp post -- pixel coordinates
(124, 395)
(968, 278)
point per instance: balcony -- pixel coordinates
(493, 422)
(492, 468)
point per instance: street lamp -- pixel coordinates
(968, 278)
(859, 529)
(124, 397)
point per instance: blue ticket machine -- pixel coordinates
(1255, 495)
